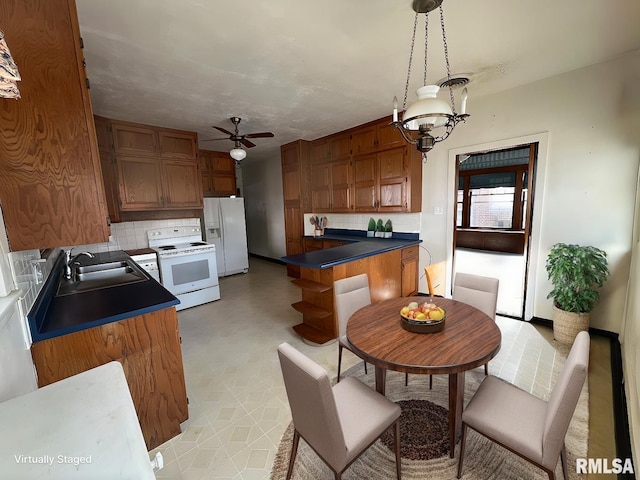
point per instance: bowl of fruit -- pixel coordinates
(424, 317)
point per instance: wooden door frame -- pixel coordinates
(533, 238)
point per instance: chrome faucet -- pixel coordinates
(70, 261)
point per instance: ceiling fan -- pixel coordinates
(237, 153)
(236, 137)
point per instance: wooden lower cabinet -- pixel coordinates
(148, 347)
(410, 265)
(388, 278)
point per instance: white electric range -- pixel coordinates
(187, 264)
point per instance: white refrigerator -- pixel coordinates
(225, 226)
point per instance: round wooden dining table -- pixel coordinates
(468, 340)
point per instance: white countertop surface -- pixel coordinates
(83, 427)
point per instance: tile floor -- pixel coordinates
(237, 403)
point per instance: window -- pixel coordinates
(492, 190)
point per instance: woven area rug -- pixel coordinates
(526, 359)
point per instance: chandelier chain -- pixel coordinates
(413, 41)
(426, 44)
(446, 58)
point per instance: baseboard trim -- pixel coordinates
(268, 259)
(620, 413)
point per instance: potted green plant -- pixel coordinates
(371, 229)
(576, 273)
(388, 229)
(379, 228)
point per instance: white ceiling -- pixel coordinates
(304, 69)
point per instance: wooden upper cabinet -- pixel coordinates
(365, 182)
(218, 173)
(153, 169)
(177, 144)
(103, 133)
(320, 151)
(134, 139)
(364, 140)
(51, 188)
(320, 186)
(392, 178)
(140, 183)
(387, 135)
(149, 184)
(340, 145)
(380, 181)
(341, 185)
(181, 182)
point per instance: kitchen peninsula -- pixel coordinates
(135, 324)
(390, 263)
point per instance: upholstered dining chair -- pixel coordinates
(350, 294)
(339, 423)
(479, 292)
(526, 425)
(432, 273)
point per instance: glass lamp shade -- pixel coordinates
(238, 154)
(427, 110)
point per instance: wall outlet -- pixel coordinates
(438, 210)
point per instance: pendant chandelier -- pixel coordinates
(429, 120)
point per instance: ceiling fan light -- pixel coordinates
(429, 109)
(238, 154)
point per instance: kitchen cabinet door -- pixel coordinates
(140, 180)
(103, 133)
(181, 184)
(51, 187)
(387, 135)
(340, 145)
(341, 186)
(321, 187)
(363, 140)
(134, 139)
(319, 151)
(177, 144)
(409, 281)
(364, 183)
(392, 181)
(218, 172)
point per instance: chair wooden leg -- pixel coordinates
(462, 442)
(406, 379)
(486, 369)
(430, 382)
(294, 451)
(338, 476)
(365, 368)
(563, 460)
(398, 458)
(339, 362)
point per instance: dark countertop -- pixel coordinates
(53, 316)
(359, 246)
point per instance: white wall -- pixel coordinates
(262, 190)
(592, 119)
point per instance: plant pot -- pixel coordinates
(388, 234)
(379, 234)
(370, 233)
(566, 325)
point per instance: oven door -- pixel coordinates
(188, 272)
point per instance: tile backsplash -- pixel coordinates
(30, 271)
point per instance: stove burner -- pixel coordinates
(196, 244)
(168, 247)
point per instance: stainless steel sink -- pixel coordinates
(101, 275)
